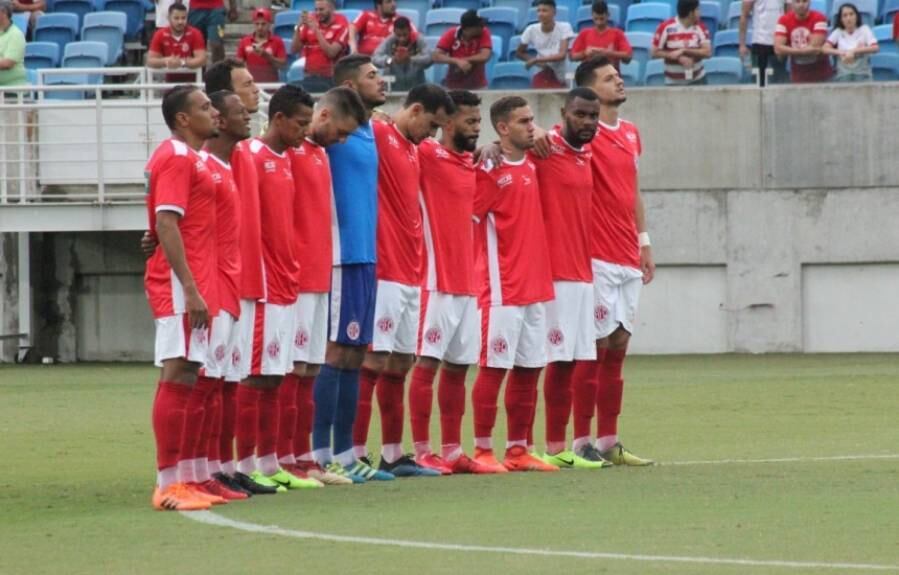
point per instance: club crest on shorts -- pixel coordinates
(220, 352)
(235, 357)
(273, 350)
(301, 339)
(601, 312)
(433, 335)
(499, 345)
(201, 336)
(555, 337)
(385, 324)
(353, 330)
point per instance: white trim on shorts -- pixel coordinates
(397, 312)
(223, 340)
(451, 328)
(265, 349)
(175, 338)
(310, 338)
(616, 294)
(516, 336)
(570, 328)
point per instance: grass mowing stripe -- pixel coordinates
(210, 518)
(870, 457)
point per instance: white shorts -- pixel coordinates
(310, 328)
(397, 310)
(570, 330)
(175, 338)
(616, 293)
(513, 336)
(223, 339)
(451, 328)
(266, 338)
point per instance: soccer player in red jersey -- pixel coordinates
(180, 280)
(399, 259)
(450, 327)
(516, 281)
(337, 114)
(566, 194)
(622, 263)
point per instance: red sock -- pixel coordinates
(211, 420)
(421, 400)
(557, 396)
(609, 393)
(194, 414)
(287, 414)
(535, 395)
(583, 392)
(305, 416)
(214, 437)
(367, 379)
(390, 402)
(246, 421)
(451, 401)
(484, 396)
(168, 421)
(229, 421)
(267, 428)
(519, 401)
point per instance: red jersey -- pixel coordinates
(673, 35)
(512, 260)
(799, 35)
(399, 240)
(896, 26)
(451, 42)
(276, 198)
(616, 153)
(184, 46)
(565, 179)
(261, 69)
(609, 39)
(207, 4)
(448, 182)
(227, 233)
(244, 170)
(180, 182)
(372, 30)
(317, 62)
(312, 216)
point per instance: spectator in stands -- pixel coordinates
(263, 51)
(179, 45)
(851, 43)
(322, 38)
(765, 14)
(800, 37)
(12, 49)
(684, 43)
(466, 48)
(403, 55)
(550, 40)
(602, 39)
(162, 11)
(34, 8)
(208, 16)
(374, 26)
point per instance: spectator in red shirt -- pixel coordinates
(263, 52)
(178, 45)
(466, 48)
(800, 35)
(208, 16)
(602, 39)
(374, 26)
(322, 38)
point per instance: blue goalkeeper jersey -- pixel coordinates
(354, 173)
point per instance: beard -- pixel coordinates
(465, 143)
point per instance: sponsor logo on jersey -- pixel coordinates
(526, 180)
(269, 166)
(441, 153)
(504, 181)
(391, 139)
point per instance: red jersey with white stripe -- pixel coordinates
(227, 232)
(512, 259)
(180, 182)
(276, 198)
(565, 180)
(448, 183)
(799, 35)
(312, 216)
(317, 62)
(373, 29)
(244, 170)
(399, 213)
(673, 35)
(616, 154)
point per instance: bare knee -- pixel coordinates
(429, 363)
(179, 370)
(399, 362)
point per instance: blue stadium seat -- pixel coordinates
(727, 43)
(436, 73)
(820, 6)
(721, 70)
(521, 5)
(360, 5)
(135, 11)
(106, 27)
(641, 42)
(630, 73)
(414, 16)
(562, 15)
(890, 7)
(510, 76)
(733, 14)
(77, 7)
(502, 21)
(647, 16)
(672, 4)
(300, 5)
(422, 6)
(85, 55)
(884, 35)
(868, 9)
(494, 55)
(66, 79)
(655, 73)
(284, 23)
(711, 15)
(513, 46)
(350, 14)
(431, 41)
(20, 21)
(463, 4)
(57, 28)
(295, 73)
(885, 67)
(440, 20)
(41, 55)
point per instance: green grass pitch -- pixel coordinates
(78, 463)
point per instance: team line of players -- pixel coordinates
(296, 276)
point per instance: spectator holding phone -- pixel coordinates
(403, 55)
(263, 51)
(322, 38)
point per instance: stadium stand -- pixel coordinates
(20, 21)
(77, 7)
(641, 43)
(284, 23)
(513, 46)
(647, 16)
(711, 15)
(495, 55)
(727, 43)
(733, 15)
(521, 6)
(41, 55)
(414, 16)
(440, 20)
(562, 15)
(722, 70)
(630, 73)
(884, 35)
(57, 28)
(885, 67)
(867, 8)
(510, 76)
(502, 21)
(356, 5)
(300, 5)
(135, 11)
(889, 10)
(463, 4)
(655, 73)
(108, 28)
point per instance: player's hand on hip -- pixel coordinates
(148, 245)
(647, 265)
(197, 312)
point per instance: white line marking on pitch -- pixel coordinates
(210, 518)
(870, 457)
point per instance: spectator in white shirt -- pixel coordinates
(550, 39)
(851, 43)
(765, 14)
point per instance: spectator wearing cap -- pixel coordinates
(372, 27)
(851, 43)
(684, 43)
(466, 48)
(403, 55)
(12, 49)
(602, 39)
(263, 51)
(178, 45)
(322, 38)
(34, 9)
(550, 40)
(209, 16)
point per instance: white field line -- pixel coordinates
(210, 518)
(869, 457)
